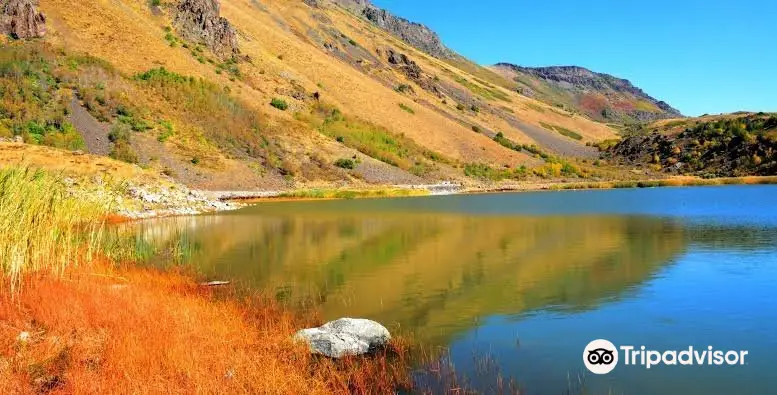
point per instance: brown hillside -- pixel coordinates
(401, 123)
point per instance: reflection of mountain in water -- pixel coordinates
(433, 273)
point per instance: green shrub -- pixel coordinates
(403, 88)
(167, 131)
(564, 131)
(279, 104)
(122, 149)
(406, 108)
(345, 163)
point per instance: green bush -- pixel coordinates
(279, 104)
(122, 149)
(167, 131)
(403, 88)
(406, 108)
(345, 163)
(564, 131)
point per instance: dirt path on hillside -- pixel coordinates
(94, 132)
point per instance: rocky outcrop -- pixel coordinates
(412, 71)
(601, 96)
(199, 21)
(345, 337)
(727, 146)
(20, 19)
(412, 33)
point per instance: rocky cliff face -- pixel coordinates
(199, 21)
(412, 71)
(20, 19)
(412, 33)
(598, 95)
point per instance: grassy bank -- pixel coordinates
(334, 193)
(43, 227)
(83, 323)
(351, 193)
(670, 182)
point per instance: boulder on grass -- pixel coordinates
(345, 337)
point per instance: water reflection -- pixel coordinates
(481, 274)
(433, 274)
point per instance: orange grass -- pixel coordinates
(133, 330)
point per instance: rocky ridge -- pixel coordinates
(412, 71)
(21, 19)
(620, 96)
(200, 21)
(415, 34)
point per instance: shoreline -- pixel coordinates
(304, 194)
(160, 201)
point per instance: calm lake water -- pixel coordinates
(522, 282)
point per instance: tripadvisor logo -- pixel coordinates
(601, 356)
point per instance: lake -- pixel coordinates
(521, 283)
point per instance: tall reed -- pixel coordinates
(42, 227)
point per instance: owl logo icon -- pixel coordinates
(600, 356)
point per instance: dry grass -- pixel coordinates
(138, 331)
(71, 164)
(43, 227)
(320, 193)
(102, 328)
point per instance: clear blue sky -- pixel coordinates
(700, 56)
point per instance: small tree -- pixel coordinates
(279, 104)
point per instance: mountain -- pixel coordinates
(599, 96)
(273, 94)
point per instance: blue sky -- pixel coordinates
(699, 56)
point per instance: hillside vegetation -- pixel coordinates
(720, 146)
(160, 93)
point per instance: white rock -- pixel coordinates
(23, 337)
(346, 336)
